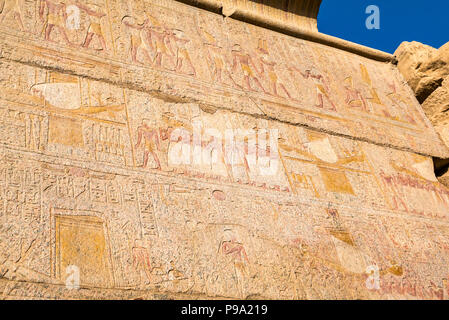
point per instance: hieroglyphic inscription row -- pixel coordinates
(100, 99)
(223, 62)
(74, 118)
(86, 180)
(124, 231)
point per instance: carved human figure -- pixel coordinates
(403, 106)
(140, 39)
(246, 63)
(354, 97)
(322, 88)
(236, 155)
(216, 62)
(335, 216)
(234, 250)
(216, 57)
(141, 258)
(390, 184)
(95, 15)
(162, 49)
(231, 247)
(12, 8)
(151, 144)
(56, 18)
(268, 67)
(180, 42)
(377, 106)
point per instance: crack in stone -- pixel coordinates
(171, 98)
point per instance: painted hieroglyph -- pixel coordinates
(111, 160)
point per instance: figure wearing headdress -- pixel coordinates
(269, 65)
(374, 99)
(182, 54)
(231, 247)
(152, 142)
(321, 85)
(246, 65)
(140, 39)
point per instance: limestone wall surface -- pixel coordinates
(426, 70)
(114, 162)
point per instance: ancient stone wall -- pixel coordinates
(116, 162)
(426, 70)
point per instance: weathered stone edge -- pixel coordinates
(294, 30)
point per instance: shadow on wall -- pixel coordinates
(306, 8)
(441, 167)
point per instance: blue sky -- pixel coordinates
(400, 20)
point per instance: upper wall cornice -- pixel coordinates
(290, 13)
(297, 18)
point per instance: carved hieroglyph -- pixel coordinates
(88, 112)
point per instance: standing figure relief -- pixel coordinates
(268, 69)
(243, 61)
(262, 64)
(140, 38)
(60, 17)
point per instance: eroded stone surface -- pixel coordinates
(88, 178)
(426, 70)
